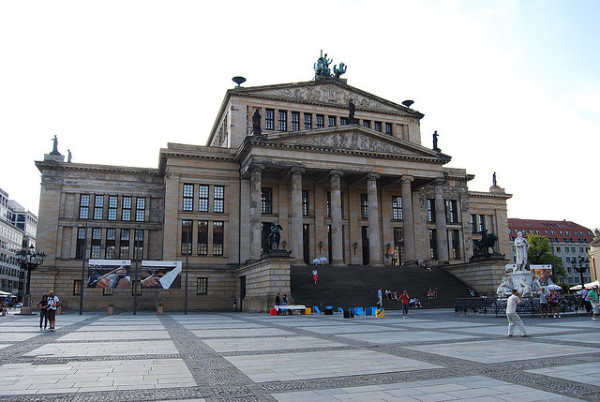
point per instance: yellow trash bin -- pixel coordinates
(308, 311)
(380, 313)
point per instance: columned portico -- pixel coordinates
(408, 218)
(255, 210)
(440, 224)
(336, 218)
(296, 228)
(375, 249)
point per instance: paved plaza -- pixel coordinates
(435, 355)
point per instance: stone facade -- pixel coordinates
(355, 193)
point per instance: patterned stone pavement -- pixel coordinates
(435, 355)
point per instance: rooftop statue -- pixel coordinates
(338, 71)
(435, 141)
(322, 67)
(55, 147)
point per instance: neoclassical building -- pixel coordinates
(345, 174)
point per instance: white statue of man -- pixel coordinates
(505, 287)
(521, 247)
(524, 287)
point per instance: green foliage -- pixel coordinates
(565, 287)
(540, 252)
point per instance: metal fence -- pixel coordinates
(497, 306)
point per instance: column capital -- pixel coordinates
(336, 173)
(439, 181)
(257, 167)
(407, 178)
(373, 176)
(297, 170)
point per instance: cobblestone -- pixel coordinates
(435, 355)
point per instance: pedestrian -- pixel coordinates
(511, 313)
(593, 295)
(553, 301)
(586, 300)
(285, 301)
(379, 298)
(543, 303)
(43, 306)
(53, 303)
(277, 300)
(315, 275)
(405, 298)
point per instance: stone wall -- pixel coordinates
(484, 277)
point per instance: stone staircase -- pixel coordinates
(354, 286)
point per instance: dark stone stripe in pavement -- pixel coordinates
(217, 377)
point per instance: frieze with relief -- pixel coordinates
(353, 141)
(331, 94)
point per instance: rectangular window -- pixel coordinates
(328, 205)
(307, 121)
(282, 120)
(77, 287)
(433, 252)
(112, 207)
(265, 231)
(84, 206)
(80, 247)
(452, 206)
(320, 121)
(343, 121)
(138, 244)
(107, 291)
(110, 251)
(140, 209)
(295, 121)
(304, 202)
(364, 206)
(455, 241)
(266, 200)
(377, 126)
(397, 207)
(188, 198)
(98, 206)
(202, 237)
(367, 123)
(201, 286)
(430, 210)
(219, 201)
(203, 198)
(218, 238)
(96, 242)
(331, 121)
(124, 244)
(186, 237)
(481, 223)
(474, 224)
(126, 212)
(269, 119)
(388, 128)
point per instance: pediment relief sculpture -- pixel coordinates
(358, 142)
(328, 93)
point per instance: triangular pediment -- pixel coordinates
(356, 139)
(328, 92)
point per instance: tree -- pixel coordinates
(540, 252)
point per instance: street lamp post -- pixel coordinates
(581, 268)
(29, 259)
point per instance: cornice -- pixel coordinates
(62, 166)
(481, 194)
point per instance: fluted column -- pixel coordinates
(375, 247)
(255, 210)
(408, 220)
(296, 229)
(440, 223)
(337, 245)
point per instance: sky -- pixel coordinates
(512, 87)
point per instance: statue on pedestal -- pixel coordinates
(521, 247)
(274, 236)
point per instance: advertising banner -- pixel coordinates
(543, 272)
(161, 274)
(109, 274)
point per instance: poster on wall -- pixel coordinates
(161, 274)
(109, 274)
(544, 272)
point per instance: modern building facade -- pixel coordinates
(342, 172)
(570, 243)
(18, 228)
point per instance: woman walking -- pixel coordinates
(43, 306)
